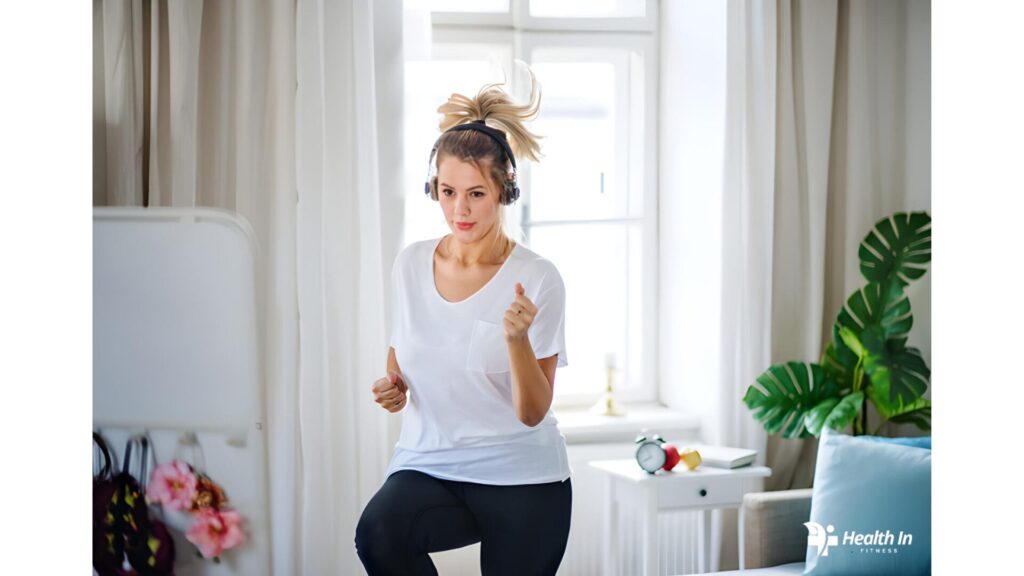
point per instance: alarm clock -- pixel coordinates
(653, 453)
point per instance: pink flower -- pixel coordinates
(172, 485)
(214, 531)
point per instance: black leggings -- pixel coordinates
(522, 529)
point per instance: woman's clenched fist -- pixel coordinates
(519, 316)
(391, 392)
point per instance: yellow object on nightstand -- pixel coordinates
(690, 457)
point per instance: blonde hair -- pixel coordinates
(495, 107)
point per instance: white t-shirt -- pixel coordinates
(459, 422)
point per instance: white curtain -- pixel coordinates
(272, 109)
(796, 125)
(779, 119)
(118, 104)
(186, 88)
(345, 441)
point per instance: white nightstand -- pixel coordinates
(702, 489)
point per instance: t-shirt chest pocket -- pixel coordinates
(488, 351)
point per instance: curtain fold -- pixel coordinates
(748, 230)
(807, 33)
(270, 109)
(123, 113)
(340, 279)
(275, 215)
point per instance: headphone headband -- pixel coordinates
(495, 135)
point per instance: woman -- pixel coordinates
(478, 333)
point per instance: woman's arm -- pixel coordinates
(533, 381)
(391, 391)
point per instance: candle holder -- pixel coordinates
(606, 405)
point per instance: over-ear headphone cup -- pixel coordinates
(430, 188)
(510, 194)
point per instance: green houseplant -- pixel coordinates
(868, 360)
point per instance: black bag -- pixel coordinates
(125, 528)
(106, 554)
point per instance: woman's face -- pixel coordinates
(468, 199)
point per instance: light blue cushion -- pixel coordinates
(869, 488)
(915, 441)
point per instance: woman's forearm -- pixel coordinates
(531, 391)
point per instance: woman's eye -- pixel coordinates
(478, 194)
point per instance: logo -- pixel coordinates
(821, 538)
(877, 542)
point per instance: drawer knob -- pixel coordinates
(703, 492)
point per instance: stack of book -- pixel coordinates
(724, 456)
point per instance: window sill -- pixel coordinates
(579, 426)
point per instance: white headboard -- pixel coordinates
(176, 354)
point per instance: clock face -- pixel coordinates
(650, 456)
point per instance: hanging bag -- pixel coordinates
(128, 530)
(106, 558)
(151, 551)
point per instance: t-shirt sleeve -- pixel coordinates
(547, 333)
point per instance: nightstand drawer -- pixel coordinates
(715, 491)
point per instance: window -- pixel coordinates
(590, 204)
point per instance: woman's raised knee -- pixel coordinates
(376, 535)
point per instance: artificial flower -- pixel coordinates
(172, 485)
(208, 494)
(214, 531)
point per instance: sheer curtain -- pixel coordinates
(822, 110)
(344, 435)
(272, 110)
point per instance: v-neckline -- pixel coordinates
(433, 281)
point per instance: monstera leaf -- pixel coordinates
(851, 340)
(840, 362)
(835, 413)
(918, 413)
(898, 248)
(878, 304)
(785, 393)
(899, 375)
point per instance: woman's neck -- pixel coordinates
(490, 250)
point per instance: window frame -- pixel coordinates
(645, 390)
(524, 34)
(518, 17)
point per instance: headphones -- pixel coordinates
(510, 191)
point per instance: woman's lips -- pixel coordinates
(464, 225)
